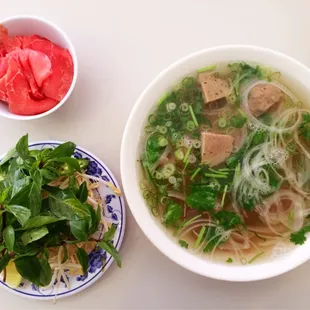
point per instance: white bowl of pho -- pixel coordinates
(215, 163)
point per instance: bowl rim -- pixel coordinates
(109, 262)
(74, 60)
(156, 234)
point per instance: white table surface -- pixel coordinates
(122, 46)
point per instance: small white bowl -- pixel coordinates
(31, 25)
(130, 170)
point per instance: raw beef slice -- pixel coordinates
(58, 83)
(18, 92)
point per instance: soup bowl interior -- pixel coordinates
(298, 76)
(31, 25)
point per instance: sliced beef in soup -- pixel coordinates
(215, 148)
(213, 88)
(262, 97)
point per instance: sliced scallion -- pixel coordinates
(195, 173)
(178, 154)
(200, 236)
(255, 257)
(187, 154)
(207, 68)
(190, 125)
(193, 116)
(222, 123)
(214, 175)
(186, 223)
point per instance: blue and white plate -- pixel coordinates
(99, 260)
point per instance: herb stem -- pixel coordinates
(193, 116)
(224, 195)
(195, 173)
(186, 223)
(218, 171)
(201, 233)
(255, 257)
(214, 175)
(187, 154)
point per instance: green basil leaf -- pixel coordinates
(9, 238)
(35, 199)
(93, 223)
(49, 174)
(29, 268)
(25, 250)
(40, 220)
(82, 193)
(5, 259)
(65, 204)
(63, 150)
(8, 156)
(45, 273)
(109, 248)
(21, 213)
(36, 177)
(5, 194)
(34, 234)
(22, 147)
(80, 229)
(109, 235)
(72, 162)
(19, 184)
(83, 259)
(21, 198)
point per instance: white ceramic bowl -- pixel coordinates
(30, 25)
(130, 170)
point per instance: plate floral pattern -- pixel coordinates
(99, 260)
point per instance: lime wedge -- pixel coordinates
(13, 278)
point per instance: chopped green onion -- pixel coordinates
(195, 173)
(200, 236)
(149, 129)
(230, 130)
(190, 126)
(184, 107)
(188, 82)
(185, 166)
(168, 123)
(172, 180)
(229, 260)
(196, 144)
(242, 113)
(152, 119)
(155, 211)
(162, 141)
(208, 68)
(164, 200)
(162, 98)
(187, 154)
(222, 123)
(163, 130)
(193, 116)
(218, 171)
(226, 114)
(213, 175)
(224, 195)
(171, 106)
(147, 194)
(255, 257)
(157, 175)
(186, 223)
(168, 170)
(178, 154)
